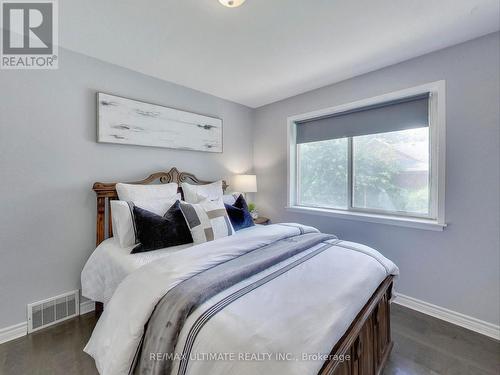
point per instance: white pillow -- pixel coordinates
(198, 193)
(207, 220)
(133, 193)
(123, 220)
(230, 198)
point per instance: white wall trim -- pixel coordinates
(86, 307)
(401, 221)
(437, 129)
(13, 332)
(21, 329)
(462, 320)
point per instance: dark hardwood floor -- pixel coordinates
(426, 345)
(422, 345)
(55, 350)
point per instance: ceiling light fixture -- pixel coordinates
(231, 3)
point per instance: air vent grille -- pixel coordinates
(53, 310)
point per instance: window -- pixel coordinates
(391, 171)
(376, 160)
(322, 173)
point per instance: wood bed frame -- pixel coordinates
(362, 350)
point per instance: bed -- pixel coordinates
(110, 263)
(320, 305)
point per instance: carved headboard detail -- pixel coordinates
(107, 191)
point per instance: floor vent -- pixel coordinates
(45, 313)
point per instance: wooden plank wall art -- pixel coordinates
(132, 122)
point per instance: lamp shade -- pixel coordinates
(244, 183)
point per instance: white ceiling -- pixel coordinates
(267, 50)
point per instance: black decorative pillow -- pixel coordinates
(238, 214)
(157, 232)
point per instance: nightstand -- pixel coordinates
(261, 220)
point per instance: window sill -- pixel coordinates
(401, 221)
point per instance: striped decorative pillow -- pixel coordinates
(207, 220)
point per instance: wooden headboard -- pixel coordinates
(107, 191)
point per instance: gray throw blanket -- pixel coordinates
(164, 326)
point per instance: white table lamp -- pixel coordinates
(244, 183)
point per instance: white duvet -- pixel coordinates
(278, 328)
(110, 263)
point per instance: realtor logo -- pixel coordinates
(29, 34)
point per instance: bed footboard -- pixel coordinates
(365, 347)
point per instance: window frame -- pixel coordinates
(437, 152)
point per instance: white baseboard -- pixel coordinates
(13, 332)
(21, 329)
(473, 324)
(462, 320)
(86, 307)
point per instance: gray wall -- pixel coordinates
(459, 267)
(49, 159)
